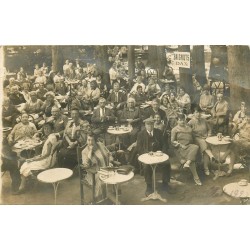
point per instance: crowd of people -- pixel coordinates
(76, 106)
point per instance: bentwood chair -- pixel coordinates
(82, 174)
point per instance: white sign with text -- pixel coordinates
(182, 59)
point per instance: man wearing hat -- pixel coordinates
(151, 139)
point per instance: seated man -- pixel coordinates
(150, 139)
(78, 103)
(93, 95)
(139, 96)
(184, 100)
(41, 92)
(117, 98)
(9, 113)
(102, 118)
(239, 147)
(16, 97)
(155, 109)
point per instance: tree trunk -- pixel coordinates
(218, 67)
(239, 75)
(55, 58)
(198, 64)
(186, 74)
(152, 56)
(161, 56)
(131, 61)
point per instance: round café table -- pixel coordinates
(214, 141)
(54, 176)
(238, 191)
(115, 179)
(29, 145)
(118, 132)
(153, 161)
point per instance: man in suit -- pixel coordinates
(155, 109)
(102, 118)
(151, 139)
(117, 98)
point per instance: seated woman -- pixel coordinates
(94, 156)
(67, 155)
(25, 92)
(219, 113)
(171, 112)
(182, 140)
(131, 116)
(240, 147)
(184, 101)
(239, 118)
(201, 130)
(34, 106)
(206, 100)
(43, 161)
(173, 102)
(22, 130)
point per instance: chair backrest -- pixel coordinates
(79, 150)
(54, 153)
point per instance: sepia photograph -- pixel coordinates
(125, 125)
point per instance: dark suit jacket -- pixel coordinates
(122, 98)
(17, 99)
(107, 121)
(145, 143)
(150, 112)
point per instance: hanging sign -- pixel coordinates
(182, 59)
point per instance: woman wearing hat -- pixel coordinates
(75, 133)
(206, 99)
(182, 140)
(43, 161)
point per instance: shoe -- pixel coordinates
(213, 160)
(186, 165)
(20, 191)
(149, 190)
(207, 173)
(197, 182)
(229, 172)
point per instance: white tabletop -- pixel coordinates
(116, 178)
(54, 175)
(214, 141)
(152, 159)
(26, 144)
(121, 131)
(237, 191)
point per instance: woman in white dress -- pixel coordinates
(43, 161)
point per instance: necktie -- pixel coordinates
(150, 134)
(73, 130)
(116, 96)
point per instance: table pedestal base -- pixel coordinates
(154, 196)
(55, 186)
